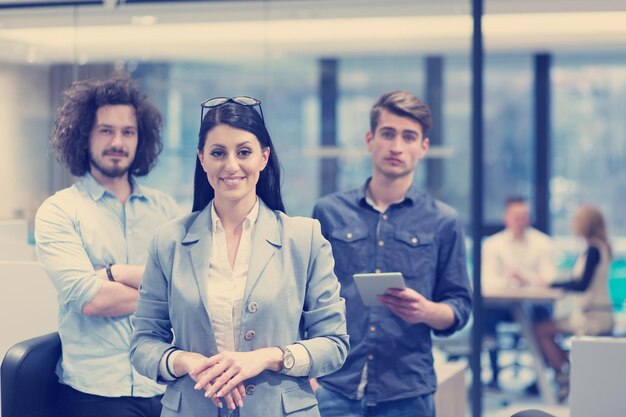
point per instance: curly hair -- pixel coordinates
(76, 117)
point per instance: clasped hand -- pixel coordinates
(222, 376)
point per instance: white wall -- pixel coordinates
(14, 230)
(24, 132)
(28, 303)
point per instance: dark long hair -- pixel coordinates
(76, 117)
(244, 118)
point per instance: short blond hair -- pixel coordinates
(404, 104)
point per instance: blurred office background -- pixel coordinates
(554, 103)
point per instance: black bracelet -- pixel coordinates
(109, 273)
(167, 362)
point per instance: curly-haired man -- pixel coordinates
(92, 239)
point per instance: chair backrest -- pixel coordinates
(30, 387)
(532, 413)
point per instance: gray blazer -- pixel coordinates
(291, 295)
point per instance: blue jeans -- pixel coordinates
(225, 412)
(332, 404)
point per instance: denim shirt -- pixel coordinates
(423, 239)
(81, 229)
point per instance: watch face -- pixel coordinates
(288, 360)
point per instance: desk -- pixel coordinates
(451, 394)
(516, 299)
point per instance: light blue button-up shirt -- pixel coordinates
(79, 230)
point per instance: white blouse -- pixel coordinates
(226, 285)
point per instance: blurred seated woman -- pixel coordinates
(586, 308)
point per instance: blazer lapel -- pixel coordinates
(265, 242)
(197, 241)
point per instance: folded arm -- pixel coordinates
(80, 285)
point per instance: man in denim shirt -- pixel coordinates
(92, 239)
(388, 225)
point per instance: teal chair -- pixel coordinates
(617, 283)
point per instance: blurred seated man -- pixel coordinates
(517, 256)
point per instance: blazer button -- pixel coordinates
(250, 389)
(250, 334)
(253, 307)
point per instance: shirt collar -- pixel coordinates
(97, 191)
(93, 187)
(510, 237)
(248, 221)
(138, 190)
(363, 196)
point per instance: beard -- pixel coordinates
(114, 171)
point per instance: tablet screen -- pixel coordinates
(374, 284)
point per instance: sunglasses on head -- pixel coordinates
(242, 100)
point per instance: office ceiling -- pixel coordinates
(234, 30)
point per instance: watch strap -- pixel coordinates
(109, 273)
(286, 352)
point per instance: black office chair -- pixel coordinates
(532, 413)
(30, 388)
(516, 371)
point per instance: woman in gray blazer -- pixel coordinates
(239, 304)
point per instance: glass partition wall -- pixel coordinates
(317, 66)
(305, 60)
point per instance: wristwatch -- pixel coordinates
(288, 361)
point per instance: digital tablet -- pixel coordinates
(371, 285)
